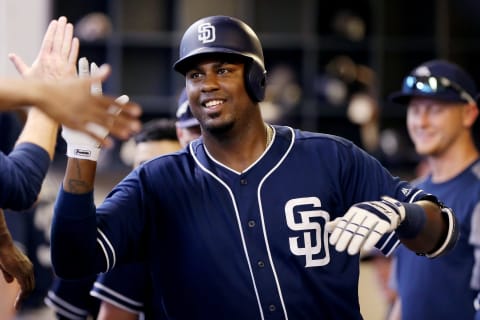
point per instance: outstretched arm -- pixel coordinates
(75, 213)
(425, 227)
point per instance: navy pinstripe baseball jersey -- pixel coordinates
(71, 299)
(126, 286)
(222, 244)
(449, 282)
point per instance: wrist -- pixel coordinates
(413, 223)
(79, 151)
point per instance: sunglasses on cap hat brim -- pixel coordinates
(435, 87)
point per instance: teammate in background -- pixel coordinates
(236, 225)
(188, 127)
(441, 111)
(126, 300)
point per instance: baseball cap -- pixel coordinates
(185, 118)
(438, 79)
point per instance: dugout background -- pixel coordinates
(328, 50)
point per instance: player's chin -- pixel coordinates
(425, 150)
(218, 126)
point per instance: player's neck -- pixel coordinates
(453, 162)
(239, 152)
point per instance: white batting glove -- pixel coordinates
(79, 144)
(364, 224)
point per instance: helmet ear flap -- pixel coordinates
(255, 81)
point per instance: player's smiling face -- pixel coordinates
(434, 125)
(217, 93)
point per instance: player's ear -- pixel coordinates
(470, 112)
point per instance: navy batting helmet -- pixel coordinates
(225, 35)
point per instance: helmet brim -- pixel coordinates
(183, 65)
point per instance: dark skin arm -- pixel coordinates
(433, 232)
(79, 176)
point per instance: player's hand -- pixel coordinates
(57, 56)
(79, 144)
(14, 264)
(69, 102)
(364, 224)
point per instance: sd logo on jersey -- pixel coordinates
(314, 238)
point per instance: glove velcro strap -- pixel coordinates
(413, 223)
(452, 235)
(83, 152)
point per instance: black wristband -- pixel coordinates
(413, 223)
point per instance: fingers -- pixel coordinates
(376, 233)
(83, 68)
(59, 34)
(362, 231)
(102, 74)
(126, 123)
(66, 44)
(73, 56)
(121, 125)
(96, 86)
(47, 42)
(357, 230)
(330, 225)
(19, 64)
(123, 99)
(342, 234)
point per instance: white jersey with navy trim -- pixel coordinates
(222, 244)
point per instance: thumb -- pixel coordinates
(19, 64)
(330, 225)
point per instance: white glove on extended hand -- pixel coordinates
(79, 144)
(364, 224)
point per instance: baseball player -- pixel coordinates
(251, 221)
(128, 299)
(188, 127)
(441, 111)
(121, 299)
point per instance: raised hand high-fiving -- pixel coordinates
(57, 61)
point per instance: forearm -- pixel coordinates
(74, 248)
(15, 93)
(80, 176)
(74, 228)
(41, 130)
(433, 232)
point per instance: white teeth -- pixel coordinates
(213, 103)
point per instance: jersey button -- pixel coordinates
(272, 307)
(243, 181)
(261, 264)
(251, 223)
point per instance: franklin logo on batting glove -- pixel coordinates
(364, 224)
